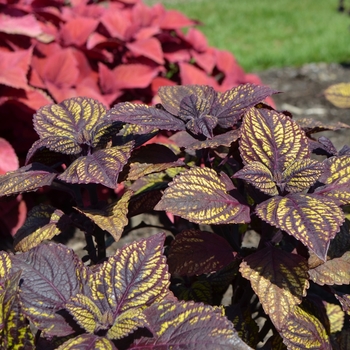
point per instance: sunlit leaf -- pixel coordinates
(193, 325)
(43, 222)
(127, 322)
(195, 252)
(68, 126)
(26, 179)
(200, 196)
(312, 221)
(112, 218)
(336, 180)
(335, 271)
(5, 265)
(279, 279)
(271, 138)
(85, 312)
(336, 317)
(134, 276)
(300, 175)
(51, 275)
(304, 331)
(101, 167)
(339, 95)
(260, 176)
(88, 342)
(145, 115)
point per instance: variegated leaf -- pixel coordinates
(43, 222)
(309, 219)
(101, 167)
(88, 342)
(336, 317)
(335, 271)
(26, 179)
(279, 286)
(304, 331)
(5, 265)
(145, 115)
(336, 180)
(200, 195)
(112, 218)
(195, 325)
(311, 126)
(134, 276)
(68, 126)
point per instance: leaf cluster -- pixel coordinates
(230, 167)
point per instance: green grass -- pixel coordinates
(267, 33)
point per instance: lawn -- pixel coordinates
(263, 33)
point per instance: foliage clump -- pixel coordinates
(230, 166)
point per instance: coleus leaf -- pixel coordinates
(311, 220)
(113, 218)
(200, 195)
(336, 317)
(102, 166)
(189, 325)
(195, 252)
(279, 286)
(145, 115)
(336, 180)
(14, 328)
(26, 179)
(51, 275)
(43, 222)
(281, 147)
(88, 342)
(311, 126)
(339, 95)
(304, 331)
(335, 271)
(232, 104)
(68, 127)
(133, 277)
(5, 266)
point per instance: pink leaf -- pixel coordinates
(14, 67)
(118, 24)
(205, 60)
(150, 48)
(77, 31)
(25, 25)
(192, 75)
(197, 39)
(173, 19)
(61, 69)
(12, 215)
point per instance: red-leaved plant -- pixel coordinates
(112, 51)
(233, 167)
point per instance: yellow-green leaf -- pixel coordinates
(135, 276)
(200, 195)
(5, 265)
(339, 95)
(335, 271)
(127, 322)
(271, 138)
(336, 179)
(112, 218)
(85, 312)
(43, 222)
(87, 342)
(336, 317)
(279, 279)
(308, 218)
(101, 167)
(304, 331)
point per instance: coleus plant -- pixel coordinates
(232, 167)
